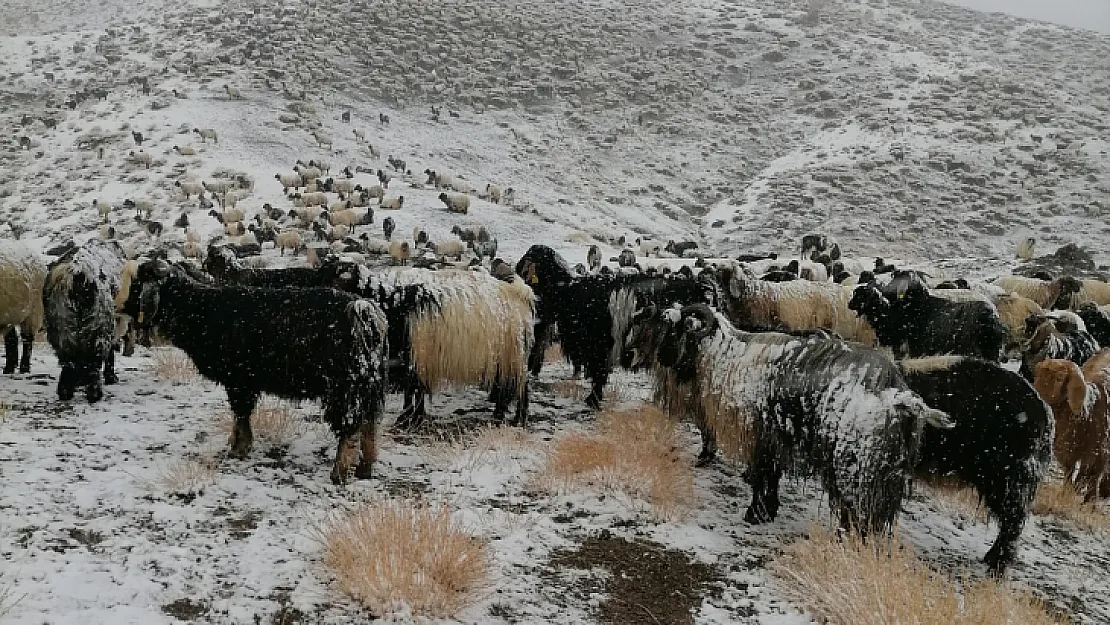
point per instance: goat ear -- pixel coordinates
(1076, 388)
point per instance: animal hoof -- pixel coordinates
(111, 378)
(239, 451)
(9, 370)
(94, 393)
(23, 370)
(364, 471)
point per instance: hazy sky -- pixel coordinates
(1089, 14)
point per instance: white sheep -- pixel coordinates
(306, 214)
(321, 164)
(376, 191)
(1025, 248)
(374, 245)
(233, 92)
(648, 247)
(103, 209)
(288, 239)
(308, 174)
(341, 205)
(456, 203)
(206, 134)
(143, 208)
(189, 187)
(493, 193)
(289, 181)
(217, 187)
(231, 198)
(142, 158)
(22, 275)
(392, 204)
(449, 246)
(187, 150)
(342, 186)
(360, 136)
(228, 215)
(318, 198)
(400, 251)
(322, 139)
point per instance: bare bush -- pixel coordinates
(173, 365)
(398, 555)
(842, 579)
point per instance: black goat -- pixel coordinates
(679, 249)
(225, 267)
(292, 343)
(919, 324)
(1001, 444)
(79, 304)
(591, 311)
(1097, 322)
(388, 226)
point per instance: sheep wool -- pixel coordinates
(22, 275)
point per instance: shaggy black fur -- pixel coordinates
(79, 304)
(225, 267)
(1098, 324)
(293, 343)
(1001, 445)
(579, 305)
(919, 324)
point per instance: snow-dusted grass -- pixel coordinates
(1060, 500)
(173, 365)
(274, 421)
(185, 476)
(403, 556)
(633, 452)
(844, 580)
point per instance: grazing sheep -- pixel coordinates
(1001, 444)
(400, 251)
(342, 186)
(349, 218)
(452, 328)
(78, 299)
(233, 92)
(1049, 295)
(321, 164)
(289, 239)
(841, 408)
(189, 188)
(360, 136)
(102, 209)
(310, 200)
(1055, 338)
(187, 150)
(22, 275)
(1089, 291)
(456, 203)
(217, 187)
(228, 215)
(493, 193)
(918, 324)
(1079, 400)
(107, 233)
(143, 208)
(1025, 248)
(322, 139)
(448, 247)
(376, 191)
(142, 158)
(793, 306)
(470, 234)
(419, 236)
(383, 119)
(331, 347)
(392, 204)
(289, 181)
(206, 134)
(388, 226)
(309, 173)
(648, 247)
(397, 164)
(484, 249)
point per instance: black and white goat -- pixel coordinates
(292, 343)
(225, 267)
(841, 408)
(79, 301)
(1057, 335)
(915, 323)
(590, 311)
(1001, 444)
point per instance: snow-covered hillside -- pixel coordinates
(910, 130)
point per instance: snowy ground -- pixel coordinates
(94, 530)
(761, 122)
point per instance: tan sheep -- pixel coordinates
(456, 203)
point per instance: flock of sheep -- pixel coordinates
(865, 385)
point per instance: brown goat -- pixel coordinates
(1078, 398)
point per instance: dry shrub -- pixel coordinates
(173, 365)
(398, 555)
(1061, 500)
(186, 476)
(569, 389)
(273, 421)
(956, 498)
(633, 451)
(846, 581)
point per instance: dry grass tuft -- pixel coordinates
(274, 421)
(1061, 500)
(570, 389)
(173, 365)
(186, 477)
(634, 452)
(481, 447)
(398, 556)
(845, 581)
(956, 498)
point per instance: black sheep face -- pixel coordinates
(907, 286)
(868, 301)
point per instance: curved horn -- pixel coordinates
(705, 316)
